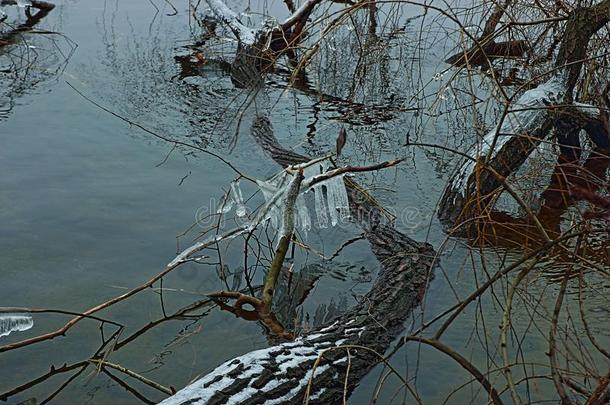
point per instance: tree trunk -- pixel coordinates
(320, 360)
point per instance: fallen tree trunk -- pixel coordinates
(281, 374)
(472, 189)
(258, 49)
(327, 363)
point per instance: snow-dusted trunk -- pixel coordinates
(281, 374)
(258, 49)
(528, 120)
(251, 57)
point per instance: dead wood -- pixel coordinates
(315, 366)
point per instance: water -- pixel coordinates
(91, 206)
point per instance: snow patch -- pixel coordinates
(525, 116)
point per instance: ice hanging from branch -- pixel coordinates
(240, 207)
(14, 323)
(330, 197)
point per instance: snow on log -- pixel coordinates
(244, 34)
(528, 121)
(281, 374)
(259, 48)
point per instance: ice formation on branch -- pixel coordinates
(285, 208)
(330, 197)
(240, 207)
(14, 323)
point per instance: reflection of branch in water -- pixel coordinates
(351, 112)
(182, 314)
(52, 372)
(64, 385)
(127, 387)
(23, 65)
(102, 364)
(503, 229)
(12, 35)
(81, 366)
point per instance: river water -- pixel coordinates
(91, 206)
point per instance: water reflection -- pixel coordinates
(29, 56)
(571, 183)
(177, 81)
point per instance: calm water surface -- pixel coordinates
(87, 210)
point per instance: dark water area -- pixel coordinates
(91, 206)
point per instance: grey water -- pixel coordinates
(91, 205)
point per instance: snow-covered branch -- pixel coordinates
(244, 34)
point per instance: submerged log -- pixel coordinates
(329, 361)
(43, 9)
(483, 55)
(258, 49)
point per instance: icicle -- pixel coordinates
(14, 323)
(315, 169)
(320, 205)
(240, 207)
(271, 210)
(274, 191)
(267, 188)
(341, 199)
(225, 205)
(338, 203)
(331, 198)
(304, 221)
(270, 187)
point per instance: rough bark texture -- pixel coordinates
(281, 374)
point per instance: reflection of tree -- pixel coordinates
(563, 192)
(23, 64)
(199, 100)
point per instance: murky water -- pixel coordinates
(91, 206)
